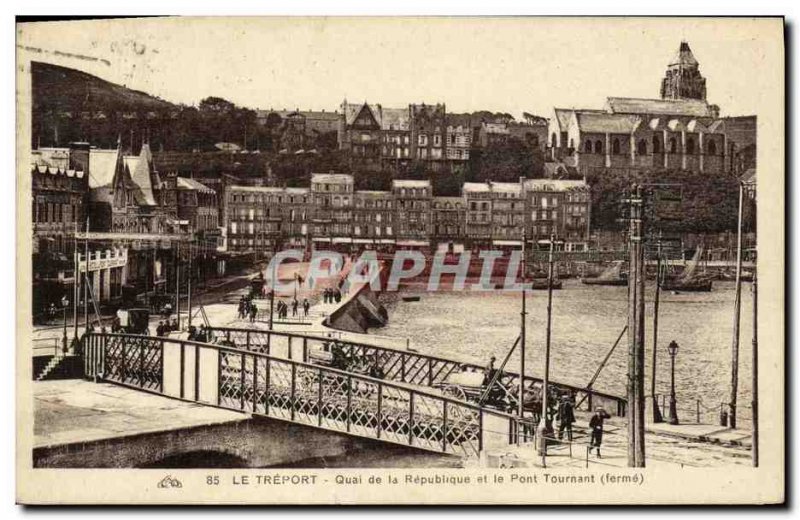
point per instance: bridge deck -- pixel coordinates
(74, 411)
(290, 390)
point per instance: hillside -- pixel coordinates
(64, 89)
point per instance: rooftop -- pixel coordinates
(411, 183)
(335, 178)
(185, 183)
(600, 123)
(554, 184)
(677, 107)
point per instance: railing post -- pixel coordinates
(444, 426)
(255, 383)
(142, 346)
(241, 383)
(289, 347)
(161, 369)
(480, 430)
(411, 417)
(305, 350)
(267, 376)
(294, 387)
(698, 411)
(219, 377)
(123, 361)
(403, 368)
(247, 340)
(380, 409)
(350, 400)
(183, 366)
(196, 373)
(430, 371)
(319, 399)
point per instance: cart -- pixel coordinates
(134, 321)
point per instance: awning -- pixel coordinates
(342, 240)
(387, 241)
(364, 241)
(320, 239)
(507, 243)
(413, 243)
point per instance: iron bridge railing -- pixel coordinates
(255, 382)
(402, 366)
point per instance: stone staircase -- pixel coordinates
(47, 368)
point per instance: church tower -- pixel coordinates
(683, 79)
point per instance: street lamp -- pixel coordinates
(64, 305)
(673, 412)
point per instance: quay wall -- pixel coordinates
(255, 442)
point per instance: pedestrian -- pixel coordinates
(325, 296)
(337, 294)
(596, 425)
(160, 329)
(306, 305)
(253, 312)
(566, 416)
(488, 372)
(294, 308)
(241, 308)
(202, 334)
(192, 333)
(174, 325)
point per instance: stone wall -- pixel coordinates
(252, 442)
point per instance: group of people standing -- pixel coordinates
(330, 295)
(166, 326)
(283, 308)
(247, 309)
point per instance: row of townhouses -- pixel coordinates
(379, 137)
(330, 214)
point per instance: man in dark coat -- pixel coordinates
(596, 425)
(566, 416)
(306, 306)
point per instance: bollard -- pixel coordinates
(698, 411)
(723, 417)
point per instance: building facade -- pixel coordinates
(331, 215)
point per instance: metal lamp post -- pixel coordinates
(673, 412)
(64, 306)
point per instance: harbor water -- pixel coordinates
(586, 320)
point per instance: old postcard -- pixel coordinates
(400, 261)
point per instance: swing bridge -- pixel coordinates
(279, 375)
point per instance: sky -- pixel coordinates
(504, 64)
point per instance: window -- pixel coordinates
(641, 148)
(588, 146)
(615, 146)
(711, 147)
(673, 145)
(598, 146)
(554, 140)
(690, 146)
(656, 144)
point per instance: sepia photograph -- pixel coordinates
(400, 260)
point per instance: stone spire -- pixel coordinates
(683, 79)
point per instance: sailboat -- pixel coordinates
(689, 280)
(611, 276)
